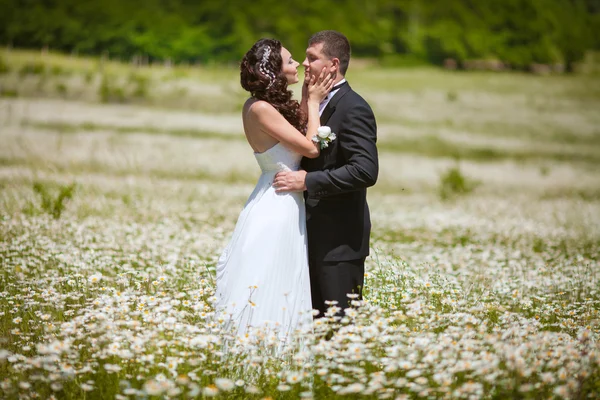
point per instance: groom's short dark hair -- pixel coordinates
(335, 44)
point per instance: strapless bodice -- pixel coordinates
(278, 158)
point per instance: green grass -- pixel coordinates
(106, 81)
(527, 131)
(435, 147)
(428, 78)
(365, 77)
(66, 128)
(429, 145)
(492, 294)
(59, 64)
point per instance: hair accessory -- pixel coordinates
(263, 67)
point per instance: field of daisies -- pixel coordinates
(120, 186)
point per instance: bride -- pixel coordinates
(263, 281)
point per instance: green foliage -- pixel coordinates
(61, 88)
(401, 60)
(454, 183)
(4, 68)
(110, 92)
(53, 204)
(41, 83)
(57, 70)
(140, 85)
(451, 96)
(33, 68)
(88, 76)
(516, 32)
(8, 93)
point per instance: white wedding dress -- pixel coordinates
(263, 283)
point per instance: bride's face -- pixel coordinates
(289, 67)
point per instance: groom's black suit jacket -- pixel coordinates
(337, 215)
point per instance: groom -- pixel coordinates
(335, 184)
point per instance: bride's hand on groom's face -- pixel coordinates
(319, 86)
(306, 78)
(305, 85)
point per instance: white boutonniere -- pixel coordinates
(324, 136)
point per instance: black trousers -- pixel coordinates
(333, 281)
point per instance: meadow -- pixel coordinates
(120, 185)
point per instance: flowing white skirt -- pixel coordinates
(262, 275)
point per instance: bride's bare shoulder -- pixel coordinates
(257, 107)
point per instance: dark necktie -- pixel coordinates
(339, 85)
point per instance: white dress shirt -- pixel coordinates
(329, 97)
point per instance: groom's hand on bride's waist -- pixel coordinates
(290, 181)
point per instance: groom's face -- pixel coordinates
(315, 61)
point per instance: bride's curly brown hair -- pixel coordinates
(265, 81)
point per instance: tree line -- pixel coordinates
(517, 33)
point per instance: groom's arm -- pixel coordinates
(358, 137)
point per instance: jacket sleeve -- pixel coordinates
(357, 142)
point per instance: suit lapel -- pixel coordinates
(330, 108)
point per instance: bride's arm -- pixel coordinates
(274, 124)
(304, 100)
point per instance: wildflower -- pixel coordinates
(352, 388)
(194, 391)
(548, 377)
(210, 391)
(5, 384)
(56, 386)
(401, 382)
(405, 364)
(562, 374)
(87, 388)
(224, 384)
(561, 391)
(351, 312)
(56, 347)
(421, 380)
(294, 377)
(252, 389)
(112, 368)
(153, 388)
